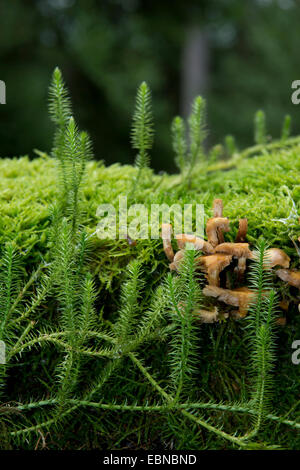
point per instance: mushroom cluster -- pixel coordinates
(217, 259)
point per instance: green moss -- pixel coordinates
(256, 188)
(260, 187)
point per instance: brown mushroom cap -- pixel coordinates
(237, 298)
(291, 277)
(199, 243)
(277, 257)
(209, 316)
(213, 265)
(238, 250)
(213, 226)
(174, 266)
(166, 233)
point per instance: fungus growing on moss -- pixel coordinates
(277, 257)
(213, 265)
(237, 250)
(241, 297)
(199, 243)
(174, 266)
(218, 212)
(210, 316)
(213, 227)
(166, 233)
(289, 276)
(242, 232)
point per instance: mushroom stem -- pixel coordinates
(174, 266)
(218, 208)
(166, 233)
(199, 243)
(213, 265)
(212, 227)
(218, 212)
(242, 232)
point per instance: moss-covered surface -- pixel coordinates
(262, 188)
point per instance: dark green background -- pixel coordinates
(106, 48)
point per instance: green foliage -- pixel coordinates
(179, 142)
(142, 127)
(261, 337)
(113, 354)
(230, 145)
(197, 130)
(187, 160)
(60, 110)
(260, 136)
(286, 127)
(184, 297)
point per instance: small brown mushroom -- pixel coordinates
(281, 321)
(213, 226)
(218, 212)
(241, 297)
(284, 305)
(198, 243)
(209, 316)
(277, 257)
(213, 265)
(237, 250)
(218, 208)
(242, 232)
(289, 276)
(174, 266)
(166, 233)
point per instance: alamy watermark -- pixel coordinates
(2, 92)
(141, 223)
(296, 354)
(2, 353)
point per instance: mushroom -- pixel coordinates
(277, 257)
(284, 305)
(199, 243)
(241, 297)
(218, 208)
(218, 212)
(166, 233)
(209, 316)
(174, 266)
(281, 321)
(289, 276)
(213, 265)
(213, 227)
(238, 250)
(242, 232)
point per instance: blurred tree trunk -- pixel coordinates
(194, 70)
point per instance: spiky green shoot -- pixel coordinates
(179, 143)
(260, 133)
(142, 132)
(286, 127)
(184, 297)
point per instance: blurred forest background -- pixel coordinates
(240, 55)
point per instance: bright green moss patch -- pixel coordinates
(257, 189)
